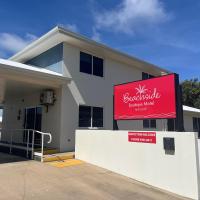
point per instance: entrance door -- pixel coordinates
(33, 120)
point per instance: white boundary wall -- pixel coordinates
(148, 163)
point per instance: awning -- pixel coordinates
(16, 78)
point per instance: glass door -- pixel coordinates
(33, 120)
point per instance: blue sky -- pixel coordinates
(165, 33)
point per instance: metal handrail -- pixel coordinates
(42, 147)
(48, 134)
(28, 142)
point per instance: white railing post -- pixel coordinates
(42, 148)
(27, 145)
(33, 141)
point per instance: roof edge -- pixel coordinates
(62, 30)
(19, 67)
(35, 43)
(190, 109)
(93, 42)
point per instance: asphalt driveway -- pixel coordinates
(31, 180)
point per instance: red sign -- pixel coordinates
(147, 99)
(143, 137)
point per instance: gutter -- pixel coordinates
(65, 32)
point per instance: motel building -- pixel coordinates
(63, 82)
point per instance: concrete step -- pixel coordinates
(48, 151)
(58, 156)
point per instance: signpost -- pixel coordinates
(155, 98)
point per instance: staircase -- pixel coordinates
(31, 149)
(28, 145)
(58, 157)
(50, 155)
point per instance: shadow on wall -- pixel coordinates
(51, 59)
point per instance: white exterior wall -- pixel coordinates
(85, 89)
(50, 119)
(92, 90)
(199, 160)
(188, 120)
(148, 163)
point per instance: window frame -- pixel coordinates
(79, 116)
(149, 124)
(92, 60)
(146, 76)
(81, 52)
(169, 123)
(91, 118)
(197, 121)
(93, 107)
(93, 66)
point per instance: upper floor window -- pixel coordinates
(146, 76)
(196, 124)
(91, 64)
(85, 63)
(51, 59)
(171, 124)
(97, 66)
(149, 123)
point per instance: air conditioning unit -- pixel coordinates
(47, 97)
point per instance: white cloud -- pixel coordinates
(96, 35)
(31, 37)
(71, 27)
(12, 43)
(131, 15)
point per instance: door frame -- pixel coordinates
(25, 119)
(25, 114)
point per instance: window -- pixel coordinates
(90, 116)
(97, 66)
(84, 116)
(50, 59)
(146, 76)
(171, 124)
(91, 64)
(196, 124)
(149, 123)
(85, 63)
(97, 117)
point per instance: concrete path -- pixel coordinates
(31, 180)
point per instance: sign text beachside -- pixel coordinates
(147, 99)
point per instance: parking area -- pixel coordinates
(30, 180)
